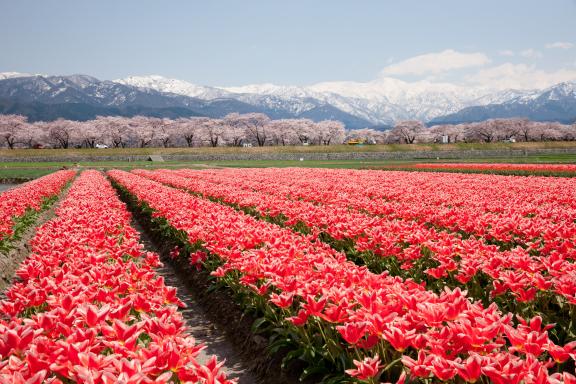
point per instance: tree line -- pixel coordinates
(492, 130)
(252, 129)
(255, 129)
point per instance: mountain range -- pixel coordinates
(378, 103)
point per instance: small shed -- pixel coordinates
(156, 158)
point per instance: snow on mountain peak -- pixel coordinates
(180, 87)
(385, 99)
(564, 89)
(13, 75)
(382, 101)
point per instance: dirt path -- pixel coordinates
(200, 326)
(5, 187)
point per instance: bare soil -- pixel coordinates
(5, 187)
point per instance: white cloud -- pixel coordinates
(474, 70)
(531, 53)
(519, 76)
(506, 52)
(434, 63)
(560, 45)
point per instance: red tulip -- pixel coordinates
(366, 369)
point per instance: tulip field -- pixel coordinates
(542, 169)
(88, 307)
(568, 168)
(550, 169)
(354, 276)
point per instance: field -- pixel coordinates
(25, 164)
(335, 275)
(30, 153)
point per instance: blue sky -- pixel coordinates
(292, 42)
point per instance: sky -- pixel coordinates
(516, 43)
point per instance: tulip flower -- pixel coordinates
(366, 369)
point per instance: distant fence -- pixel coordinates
(398, 155)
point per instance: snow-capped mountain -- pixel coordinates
(82, 97)
(556, 103)
(381, 101)
(179, 87)
(12, 75)
(376, 103)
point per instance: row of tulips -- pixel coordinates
(568, 168)
(350, 315)
(88, 306)
(15, 202)
(439, 257)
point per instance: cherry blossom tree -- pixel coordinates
(88, 133)
(563, 132)
(212, 131)
(452, 132)
(61, 132)
(282, 131)
(507, 128)
(116, 129)
(368, 134)
(525, 129)
(329, 131)
(144, 131)
(11, 128)
(409, 130)
(166, 131)
(255, 126)
(304, 130)
(34, 134)
(490, 130)
(234, 131)
(189, 129)
(482, 132)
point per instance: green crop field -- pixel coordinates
(29, 153)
